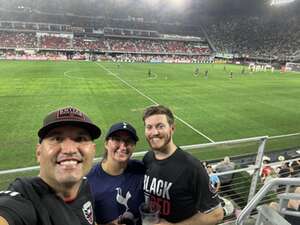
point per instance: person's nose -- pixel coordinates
(155, 131)
(122, 144)
(69, 146)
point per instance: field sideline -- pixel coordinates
(207, 110)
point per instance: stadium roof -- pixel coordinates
(188, 11)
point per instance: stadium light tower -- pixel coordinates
(281, 2)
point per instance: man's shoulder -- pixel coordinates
(28, 186)
(136, 166)
(149, 153)
(186, 157)
(14, 207)
(148, 157)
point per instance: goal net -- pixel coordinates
(289, 66)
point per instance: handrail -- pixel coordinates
(262, 193)
(141, 153)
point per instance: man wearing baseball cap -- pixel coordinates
(117, 181)
(60, 194)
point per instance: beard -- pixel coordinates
(161, 144)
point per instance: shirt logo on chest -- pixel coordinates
(121, 199)
(87, 210)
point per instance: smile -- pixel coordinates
(69, 162)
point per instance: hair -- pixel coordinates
(226, 159)
(159, 110)
(104, 155)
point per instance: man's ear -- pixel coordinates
(38, 152)
(173, 127)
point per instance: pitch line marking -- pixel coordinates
(66, 74)
(153, 101)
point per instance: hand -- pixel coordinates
(163, 222)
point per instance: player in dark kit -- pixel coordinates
(60, 194)
(174, 179)
(149, 73)
(206, 74)
(197, 71)
(117, 181)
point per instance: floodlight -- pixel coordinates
(177, 3)
(281, 2)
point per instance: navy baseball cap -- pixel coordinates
(68, 116)
(122, 126)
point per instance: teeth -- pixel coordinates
(120, 153)
(69, 162)
(155, 139)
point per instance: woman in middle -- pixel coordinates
(117, 181)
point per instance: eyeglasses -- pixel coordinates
(126, 140)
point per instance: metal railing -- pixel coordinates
(245, 213)
(142, 153)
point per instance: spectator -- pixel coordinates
(214, 179)
(60, 194)
(266, 169)
(117, 182)
(226, 180)
(295, 168)
(284, 170)
(293, 205)
(174, 179)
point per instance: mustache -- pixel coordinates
(69, 156)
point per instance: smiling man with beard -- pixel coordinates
(174, 179)
(117, 181)
(60, 194)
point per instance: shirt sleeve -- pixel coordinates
(16, 209)
(206, 198)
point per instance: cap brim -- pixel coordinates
(92, 129)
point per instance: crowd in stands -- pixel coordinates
(285, 169)
(161, 58)
(155, 46)
(17, 39)
(256, 36)
(253, 37)
(80, 43)
(53, 42)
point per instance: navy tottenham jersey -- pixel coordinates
(114, 195)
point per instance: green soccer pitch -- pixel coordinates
(209, 109)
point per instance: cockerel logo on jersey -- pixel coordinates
(87, 210)
(121, 199)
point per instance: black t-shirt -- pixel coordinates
(30, 201)
(179, 184)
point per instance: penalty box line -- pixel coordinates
(153, 101)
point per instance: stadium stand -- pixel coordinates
(10, 39)
(266, 36)
(42, 40)
(258, 37)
